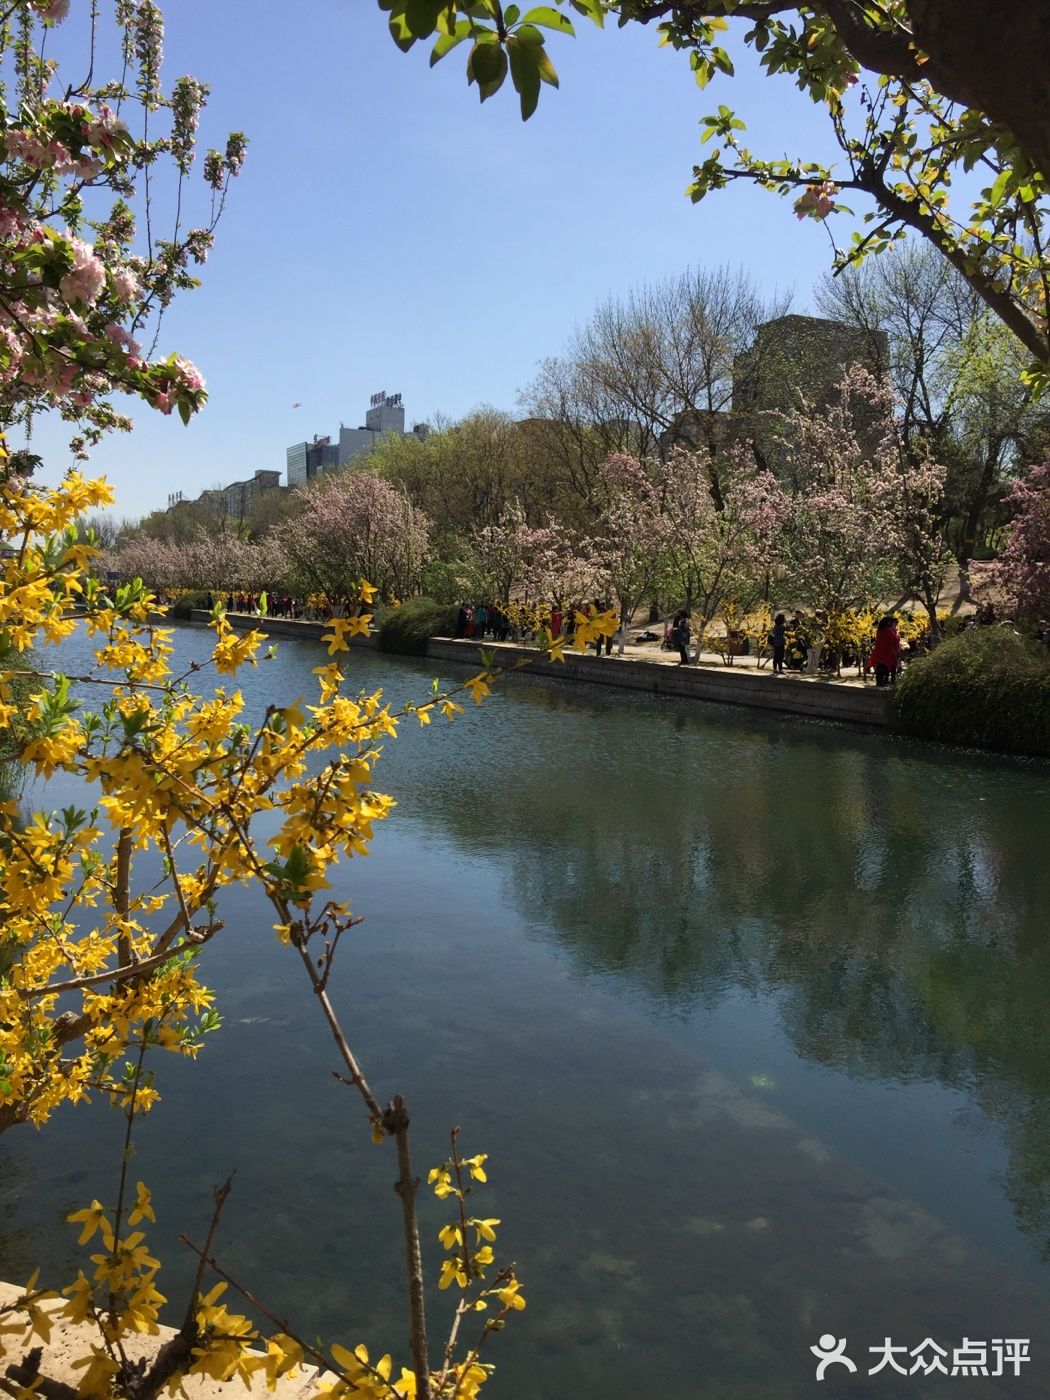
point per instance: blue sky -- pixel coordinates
(390, 233)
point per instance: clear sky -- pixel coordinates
(388, 232)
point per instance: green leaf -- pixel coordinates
(421, 16)
(703, 72)
(549, 18)
(524, 74)
(999, 188)
(487, 66)
(592, 9)
(546, 68)
(400, 33)
(447, 42)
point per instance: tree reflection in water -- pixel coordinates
(893, 897)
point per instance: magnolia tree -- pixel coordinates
(218, 562)
(717, 554)
(852, 505)
(82, 286)
(513, 558)
(1022, 571)
(633, 537)
(355, 526)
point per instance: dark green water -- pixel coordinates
(752, 1017)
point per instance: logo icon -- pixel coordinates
(831, 1351)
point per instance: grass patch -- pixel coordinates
(408, 628)
(988, 688)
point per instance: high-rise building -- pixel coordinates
(385, 415)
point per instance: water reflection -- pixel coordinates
(892, 900)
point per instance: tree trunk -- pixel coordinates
(976, 510)
(994, 60)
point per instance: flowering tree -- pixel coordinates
(515, 557)
(219, 562)
(852, 505)
(633, 537)
(718, 554)
(356, 525)
(1022, 571)
(82, 285)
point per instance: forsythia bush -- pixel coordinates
(97, 977)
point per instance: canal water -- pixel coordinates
(751, 1015)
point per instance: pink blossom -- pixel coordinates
(853, 505)
(106, 127)
(126, 286)
(356, 525)
(189, 373)
(10, 223)
(718, 553)
(59, 157)
(15, 349)
(1022, 572)
(818, 201)
(88, 276)
(25, 147)
(120, 336)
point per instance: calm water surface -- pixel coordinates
(752, 1017)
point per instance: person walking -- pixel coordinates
(778, 641)
(680, 634)
(886, 653)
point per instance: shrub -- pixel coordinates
(184, 605)
(988, 687)
(408, 629)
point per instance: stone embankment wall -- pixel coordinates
(817, 699)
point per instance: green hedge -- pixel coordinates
(182, 607)
(408, 628)
(988, 688)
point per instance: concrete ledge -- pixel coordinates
(817, 699)
(792, 695)
(299, 628)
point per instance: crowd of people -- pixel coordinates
(511, 623)
(789, 642)
(480, 620)
(266, 603)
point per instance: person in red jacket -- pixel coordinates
(886, 653)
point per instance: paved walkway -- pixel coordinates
(651, 652)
